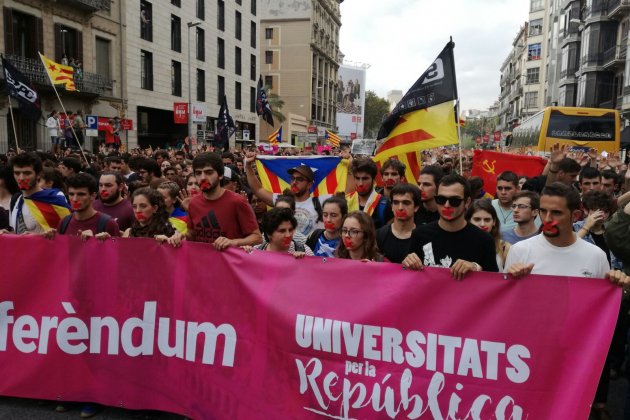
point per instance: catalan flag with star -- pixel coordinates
(333, 139)
(59, 74)
(275, 137)
(46, 207)
(331, 172)
(425, 117)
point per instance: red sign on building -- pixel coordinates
(486, 138)
(126, 124)
(180, 112)
(497, 136)
(312, 129)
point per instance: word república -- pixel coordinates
(421, 353)
(74, 336)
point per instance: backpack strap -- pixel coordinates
(64, 224)
(102, 223)
(318, 209)
(314, 237)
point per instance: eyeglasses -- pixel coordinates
(298, 179)
(520, 206)
(454, 201)
(350, 232)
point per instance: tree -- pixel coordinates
(375, 110)
(477, 127)
(276, 103)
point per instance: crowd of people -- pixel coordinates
(572, 220)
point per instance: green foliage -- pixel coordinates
(375, 110)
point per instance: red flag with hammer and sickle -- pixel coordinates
(488, 165)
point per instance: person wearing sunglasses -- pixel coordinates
(452, 242)
(358, 239)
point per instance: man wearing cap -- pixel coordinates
(308, 209)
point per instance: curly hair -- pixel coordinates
(159, 223)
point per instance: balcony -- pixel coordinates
(593, 59)
(90, 6)
(33, 70)
(615, 57)
(618, 8)
(598, 9)
(626, 91)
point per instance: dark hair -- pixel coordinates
(286, 198)
(159, 224)
(53, 175)
(172, 188)
(208, 159)
(180, 153)
(597, 200)
(6, 175)
(568, 165)
(112, 159)
(125, 157)
(452, 179)
(402, 189)
(589, 173)
(72, 163)
(608, 174)
(476, 185)
(534, 198)
(558, 189)
(397, 165)
(370, 249)
(162, 154)
(339, 201)
(274, 218)
(82, 180)
(228, 155)
(151, 166)
(508, 176)
(366, 165)
(25, 159)
(119, 178)
(435, 171)
(485, 205)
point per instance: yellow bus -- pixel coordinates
(579, 128)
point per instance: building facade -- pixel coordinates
(299, 52)
(86, 31)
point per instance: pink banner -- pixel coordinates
(232, 335)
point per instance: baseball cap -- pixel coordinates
(303, 170)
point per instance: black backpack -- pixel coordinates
(101, 226)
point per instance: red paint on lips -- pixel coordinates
(329, 226)
(295, 189)
(401, 214)
(76, 205)
(448, 211)
(347, 242)
(550, 226)
(286, 241)
(363, 188)
(204, 185)
(104, 194)
(390, 182)
(194, 192)
(140, 216)
(24, 184)
(423, 194)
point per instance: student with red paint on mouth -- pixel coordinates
(394, 240)
(452, 242)
(151, 216)
(358, 239)
(278, 226)
(364, 197)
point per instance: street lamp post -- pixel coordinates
(190, 25)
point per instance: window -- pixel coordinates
(252, 99)
(201, 44)
(201, 85)
(533, 51)
(268, 57)
(253, 7)
(535, 27)
(23, 34)
(146, 70)
(237, 60)
(237, 95)
(68, 41)
(176, 33)
(176, 78)
(531, 100)
(239, 2)
(252, 67)
(252, 28)
(535, 5)
(146, 20)
(220, 89)
(533, 75)
(103, 57)
(238, 25)
(220, 53)
(177, 3)
(268, 33)
(221, 15)
(201, 9)
(268, 82)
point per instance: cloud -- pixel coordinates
(401, 38)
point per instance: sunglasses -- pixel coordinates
(454, 201)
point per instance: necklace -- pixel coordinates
(503, 215)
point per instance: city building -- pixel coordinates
(299, 52)
(86, 31)
(351, 100)
(511, 96)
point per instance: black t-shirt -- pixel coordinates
(443, 248)
(601, 243)
(424, 216)
(394, 249)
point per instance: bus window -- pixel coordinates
(581, 128)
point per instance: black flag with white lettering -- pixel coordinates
(436, 85)
(225, 126)
(20, 88)
(263, 109)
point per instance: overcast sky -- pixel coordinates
(401, 38)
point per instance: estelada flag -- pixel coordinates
(59, 74)
(275, 137)
(331, 172)
(489, 164)
(333, 139)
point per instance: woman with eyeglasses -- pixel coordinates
(483, 215)
(358, 239)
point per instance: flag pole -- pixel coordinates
(64, 110)
(17, 146)
(459, 128)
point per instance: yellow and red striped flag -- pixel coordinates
(412, 162)
(275, 137)
(59, 74)
(333, 139)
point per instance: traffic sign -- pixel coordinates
(91, 122)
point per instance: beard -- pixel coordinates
(112, 198)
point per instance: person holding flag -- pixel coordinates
(35, 210)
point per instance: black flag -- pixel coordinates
(436, 85)
(19, 87)
(225, 126)
(262, 104)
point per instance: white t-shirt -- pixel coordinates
(306, 215)
(582, 259)
(53, 126)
